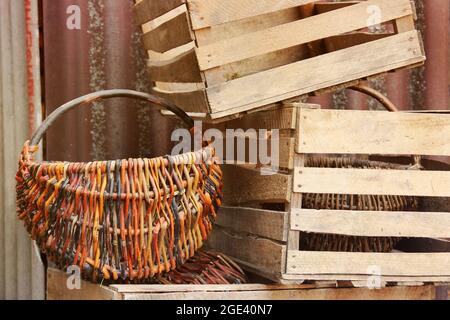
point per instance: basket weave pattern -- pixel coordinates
(329, 242)
(125, 219)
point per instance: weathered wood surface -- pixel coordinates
(247, 185)
(299, 32)
(372, 223)
(372, 182)
(58, 291)
(262, 223)
(391, 264)
(377, 132)
(373, 58)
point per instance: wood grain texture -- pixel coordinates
(189, 101)
(297, 293)
(262, 223)
(183, 68)
(372, 223)
(147, 10)
(57, 288)
(327, 131)
(372, 182)
(169, 35)
(58, 291)
(392, 264)
(299, 32)
(262, 254)
(246, 185)
(214, 12)
(373, 58)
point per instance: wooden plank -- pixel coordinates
(263, 254)
(254, 65)
(391, 293)
(189, 101)
(400, 280)
(207, 36)
(214, 12)
(147, 10)
(296, 204)
(377, 132)
(163, 288)
(57, 288)
(183, 68)
(299, 32)
(252, 143)
(372, 182)
(372, 223)
(279, 117)
(171, 34)
(392, 264)
(262, 223)
(373, 58)
(249, 186)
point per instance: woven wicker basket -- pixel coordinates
(128, 219)
(328, 242)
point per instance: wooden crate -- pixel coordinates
(222, 58)
(261, 222)
(57, 290)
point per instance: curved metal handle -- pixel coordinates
(106, 94)
(376, 95)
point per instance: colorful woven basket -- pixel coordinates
(131, 219)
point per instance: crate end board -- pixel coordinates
(57, 290)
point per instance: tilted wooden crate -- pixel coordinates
(264, 236)
(221, 57)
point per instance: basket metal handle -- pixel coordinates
(106, 94)
(388, 104)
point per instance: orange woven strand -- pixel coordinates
(131, 219)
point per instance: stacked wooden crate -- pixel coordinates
(261, 225)
(221, 58)
(241, 64)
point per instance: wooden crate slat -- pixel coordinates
(390, 293)
(392, 264)
(147, 10)
(400, 280)
(372, 223)
(214, 12)
(183, 68)
(189, 101)
(254, 65)
(264, 223)
(299, 32)
(255, 187)
(169, 35)
(359, 132)
(372, 182)
(372, 58)
(226, 31)
(263, 254)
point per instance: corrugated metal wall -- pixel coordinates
(21, 271)
(105, 53)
